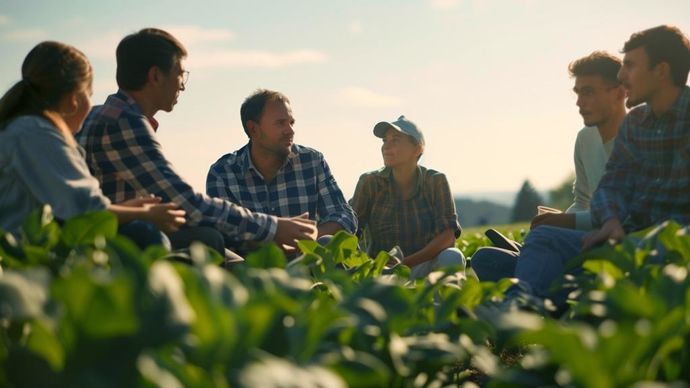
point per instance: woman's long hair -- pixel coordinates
(50, 71)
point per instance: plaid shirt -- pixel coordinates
(411, 224)
(647, 178)
(304, 184)
(123, 153)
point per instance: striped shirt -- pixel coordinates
(412, 223)
(123, 153)
(647, 178)
(304, 184)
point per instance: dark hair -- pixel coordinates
(598, 63)
(139, 52)
(253, 106)
(664, 44)
(49, 71)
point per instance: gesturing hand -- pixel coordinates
(292, 229)
(166, 216)
(141, 201)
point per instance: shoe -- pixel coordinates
(501, 241)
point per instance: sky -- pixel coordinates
(486, 81)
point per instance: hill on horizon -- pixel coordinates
(481, 212)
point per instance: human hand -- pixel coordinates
(292, 229)
(141, 201)
(166, 216)
(562, 220)
(612, 230)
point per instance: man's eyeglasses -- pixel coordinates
(185, 77)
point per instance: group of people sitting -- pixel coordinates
(632, 170)
(56, 149)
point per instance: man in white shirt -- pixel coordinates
(601, 103)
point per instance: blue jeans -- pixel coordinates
(543, 257)
(493, 264)
(144, 234)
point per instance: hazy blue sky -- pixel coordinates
(485, 80)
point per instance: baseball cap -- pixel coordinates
(403, 125)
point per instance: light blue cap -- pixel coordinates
(402, 125)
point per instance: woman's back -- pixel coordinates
(38, 166)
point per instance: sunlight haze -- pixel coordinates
(486, 81)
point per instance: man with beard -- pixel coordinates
(273, 175)
(647, 177)
(600, 99)
(123, 153)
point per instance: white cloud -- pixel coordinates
(25, 34)
(4, 19)
(252, 58)
(102, 46)
(191, 35)
(364, 97)
(444, 4)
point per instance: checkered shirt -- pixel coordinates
(647, 178)
(124, 155)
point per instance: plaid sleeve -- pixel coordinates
(140, 159)
(217, 184)
(332, 206)
(444, 206)
(612, 195)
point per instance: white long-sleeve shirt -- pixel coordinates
(591, 155)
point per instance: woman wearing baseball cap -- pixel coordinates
(406, 205)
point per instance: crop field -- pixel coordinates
(81, 306)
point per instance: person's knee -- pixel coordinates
(144, 234)
(493, 264)
(324, 240)
(208, 236)
(451, 257)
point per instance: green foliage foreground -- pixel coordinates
(81, 306)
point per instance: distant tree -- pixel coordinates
(526, 202)
(561, 197)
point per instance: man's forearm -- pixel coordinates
(330, 227)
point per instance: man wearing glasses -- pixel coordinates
(601, 102)
(123, 153)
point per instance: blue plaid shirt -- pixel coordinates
(647, 178)
(303, 184)
(123, 153)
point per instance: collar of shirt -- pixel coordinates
(246, 164)
(126, 99)
(387, 173)
(678, 110)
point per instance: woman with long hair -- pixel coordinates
(40, 162)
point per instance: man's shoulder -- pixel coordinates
(230, 161)
(636, 115)
(304, 151)
(587, 136)
(588, 131)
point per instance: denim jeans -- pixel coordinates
(144, 234)
(493, 264)
(543, 257)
